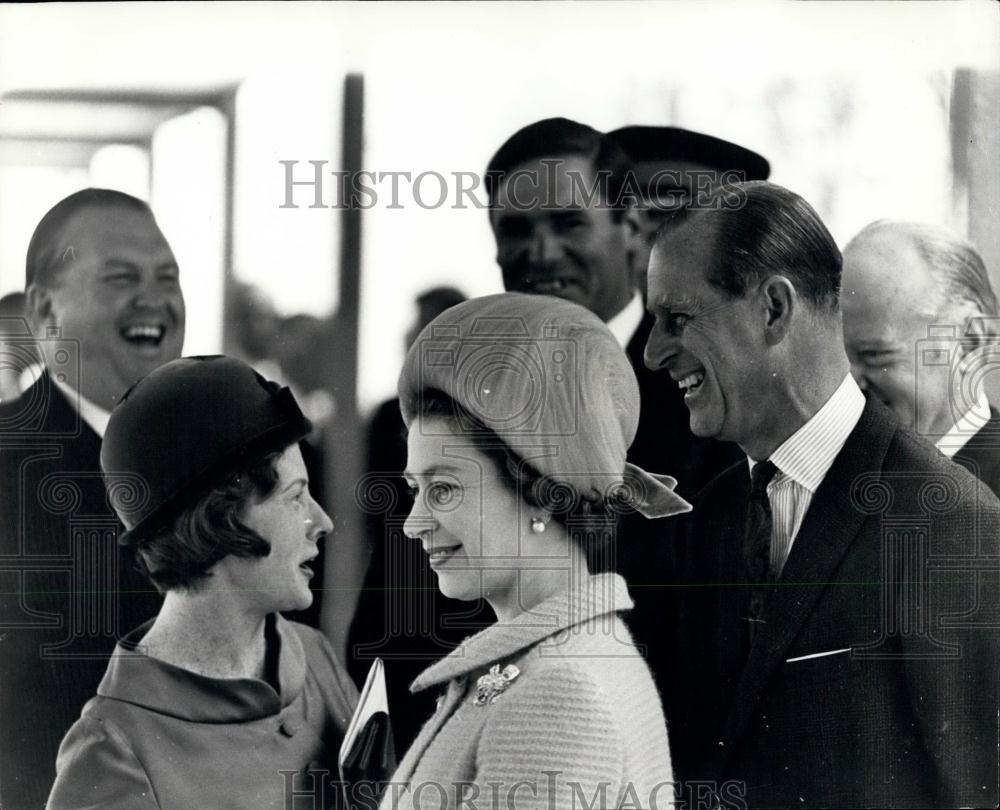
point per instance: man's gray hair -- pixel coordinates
(955, 265)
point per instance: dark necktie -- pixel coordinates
(757, 544)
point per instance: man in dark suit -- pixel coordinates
(919, 318)
(105, 307)
(829, 633)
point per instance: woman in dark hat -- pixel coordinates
(519, 411)
(219, 701)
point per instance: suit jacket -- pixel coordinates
(981, 455)
(872, 681)
(68, 591)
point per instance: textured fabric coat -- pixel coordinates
(873, 679)
(577, 720)
(68, 591)
(158, 736)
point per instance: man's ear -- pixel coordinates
(633, 227)
(635, 246)
(981, 332)
(779, 304)
(38, 307)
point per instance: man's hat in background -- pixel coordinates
(679, 154)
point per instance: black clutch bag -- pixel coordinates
(368, 756)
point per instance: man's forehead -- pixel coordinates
(559, 182)
(113, 226)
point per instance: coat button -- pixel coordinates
(288, 728)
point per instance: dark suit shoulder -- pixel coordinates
(981, 454)
(908, 451)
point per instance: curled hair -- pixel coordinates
(180, 555)
(589, 521)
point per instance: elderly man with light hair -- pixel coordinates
(919, 325)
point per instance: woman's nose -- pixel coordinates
(419, 521)
(319, 522)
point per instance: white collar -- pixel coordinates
(807, 455)
(624, 325)
(967, 426)
(92, 414)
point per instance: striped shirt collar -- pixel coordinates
(807, 455)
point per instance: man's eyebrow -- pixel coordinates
(120, 264)
(671, 303)
(114, 263)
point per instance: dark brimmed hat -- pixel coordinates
(655, 149)
(178, 432)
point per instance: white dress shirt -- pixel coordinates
(624, 325)
(970, 423)
(92, 414)
(803, 460)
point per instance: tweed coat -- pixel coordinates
(872, 681)
(580, 720)
(68, 591)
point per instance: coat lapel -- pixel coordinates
(831, 525)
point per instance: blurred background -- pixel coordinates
(209, 110)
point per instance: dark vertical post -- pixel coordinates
(345, 553)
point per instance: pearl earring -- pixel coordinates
(537, 525)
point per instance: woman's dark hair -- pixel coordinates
(591, 523)
(180, 555)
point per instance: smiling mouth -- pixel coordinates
(144, 335)
(691, 383)
(441, 554)
(546, 286)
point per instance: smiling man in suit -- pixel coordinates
(105, 306)
(916, 295)
(829, 639)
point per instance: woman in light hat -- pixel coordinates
(218, 702)
(519, 411)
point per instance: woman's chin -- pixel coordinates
(460, 586)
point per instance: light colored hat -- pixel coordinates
(550, 380)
